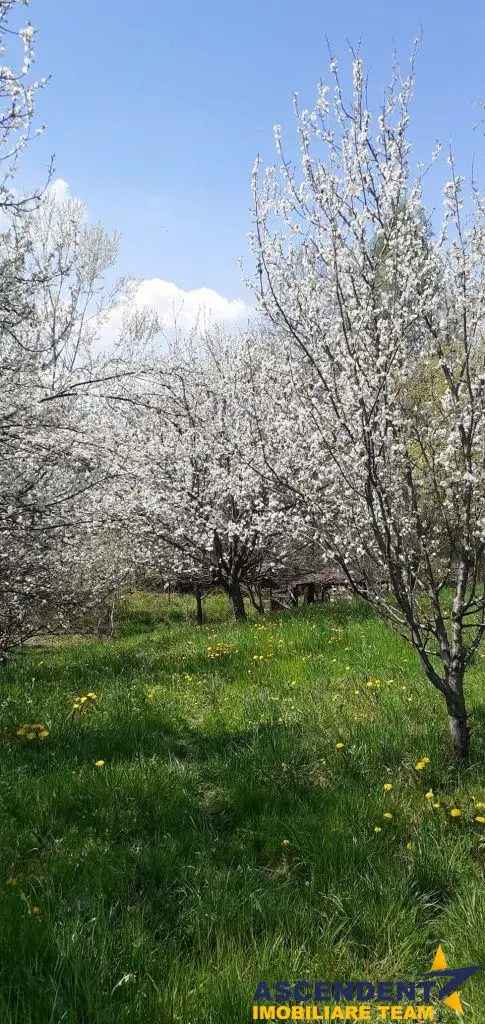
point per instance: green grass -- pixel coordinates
(226, 839)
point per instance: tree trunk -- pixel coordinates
(451, 688)
(309, 593)
(256, 598)
(200, 610)
(235, 594)
(105, 624)
(455, 700)
(457, 718)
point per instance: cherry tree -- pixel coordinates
(59, 560)
(63, 341)
(377, 373)
(18, 90)
(195, 503)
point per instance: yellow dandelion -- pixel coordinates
(377, 828)
(479, 806)
(455, 812)
(429, 795)
(480, 819)
(92, 696)
(436, 805)
(99, 764)
(409, 846)
(387, 815)
(339, 746)
(43, 734)
(421, 764)
(387, 787)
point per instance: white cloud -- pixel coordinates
(59, 190)
(175, 308)
(185, 309)
(189, 308)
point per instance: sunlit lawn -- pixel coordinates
(237, 827)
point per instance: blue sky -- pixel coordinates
(156, 111)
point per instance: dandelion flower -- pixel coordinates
(409, 846)
(422, 763)
(387, 814)
(99, 764)
(377, 828)
(285, 842)
(387, 787)
(455, 812)
(480, 819)
(429, 795)
(339, 746)
(32, 731)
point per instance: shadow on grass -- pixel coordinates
(176, 810)
(194, 847)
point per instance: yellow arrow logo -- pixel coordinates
(440, 964)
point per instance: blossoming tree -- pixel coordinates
(18, 91)
(58, 558)
(381, 364)
(193, 505)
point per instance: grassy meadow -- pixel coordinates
(229, 804)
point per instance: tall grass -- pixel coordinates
(227, 838)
